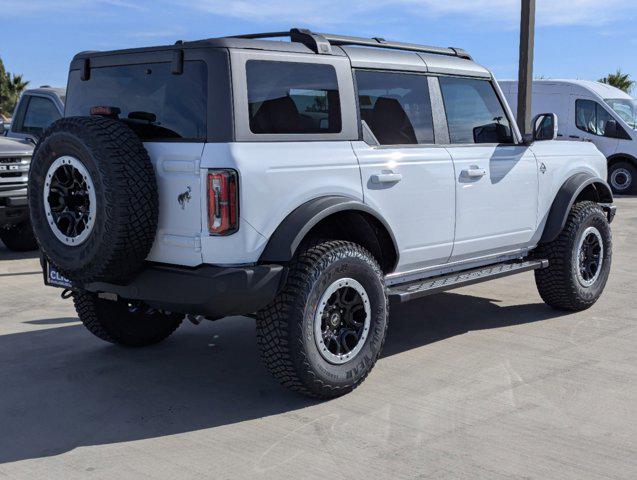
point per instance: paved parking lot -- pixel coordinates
(485, 382)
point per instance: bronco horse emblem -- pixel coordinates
(184, 198)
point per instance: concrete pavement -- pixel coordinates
(482, 383)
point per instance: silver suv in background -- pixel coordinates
(36, 110)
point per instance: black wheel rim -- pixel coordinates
(69, 200)
(590, 256)
(342, 321)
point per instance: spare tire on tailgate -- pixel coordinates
(93, 199)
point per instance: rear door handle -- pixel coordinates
(387, 177)
(474, 172)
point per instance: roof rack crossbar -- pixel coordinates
(382, 43)
(322, 42)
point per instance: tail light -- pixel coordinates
(223, 202)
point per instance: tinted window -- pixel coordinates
(296, 98)
(40, 113)
(396, 106)
(474, 112)
(591, 117)
(155, 103)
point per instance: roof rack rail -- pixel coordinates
(322, 42)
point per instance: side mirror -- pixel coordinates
(545, 127)
(611, 129)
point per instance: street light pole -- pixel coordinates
(525, 75)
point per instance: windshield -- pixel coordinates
(626, 109)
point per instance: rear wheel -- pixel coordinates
(324, 332)
(128, 323)
(579, 260)
(19, 238)
(622, 177)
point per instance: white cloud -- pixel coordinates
(31, 7)
(316, 12)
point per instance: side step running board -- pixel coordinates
(420, 288)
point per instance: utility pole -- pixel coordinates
(525, 75)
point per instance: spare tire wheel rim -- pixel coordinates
(342, 321)
(621, 179)
(69, 200)
(590, 253)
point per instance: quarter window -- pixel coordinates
(40, 113)
(292, 98)
(591, 117)
(396, 106)
(474, 112)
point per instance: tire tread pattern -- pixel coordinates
(274, 327)
(132, 206)
(89, 313)
(556, 283)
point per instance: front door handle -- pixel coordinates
(474, 172)
(387, 177)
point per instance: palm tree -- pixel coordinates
(11, 86)
(619, 80)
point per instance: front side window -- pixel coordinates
(40, 113)
(156, 104)
(396, 107)
(626, 109)
(591, 117)
(474, 112)
(292, 98)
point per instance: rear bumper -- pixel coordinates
(206, 290)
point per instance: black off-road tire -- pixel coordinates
(126, 209)
(19, 238)
(285, 329)
(630, 174)
(559, 285)
(124, 323)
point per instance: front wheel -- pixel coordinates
(622, 177)
(579, 260)
(127, 323)
(324, 332)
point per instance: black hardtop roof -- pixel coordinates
(301, 41)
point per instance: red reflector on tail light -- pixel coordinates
(223, 202)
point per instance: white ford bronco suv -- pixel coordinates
(307, 183)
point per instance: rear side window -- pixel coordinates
(396, 106)
(292, 98)
(156, 104)
(591, 117)
(40, 113)
(474, 112)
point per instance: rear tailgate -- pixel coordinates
(179, 185)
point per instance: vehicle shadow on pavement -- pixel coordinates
(6, 254)
(61, 389)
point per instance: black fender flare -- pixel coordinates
(292, 230)
(565, 198)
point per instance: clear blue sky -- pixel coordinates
(575, 38)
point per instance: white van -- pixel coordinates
(591, 111)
